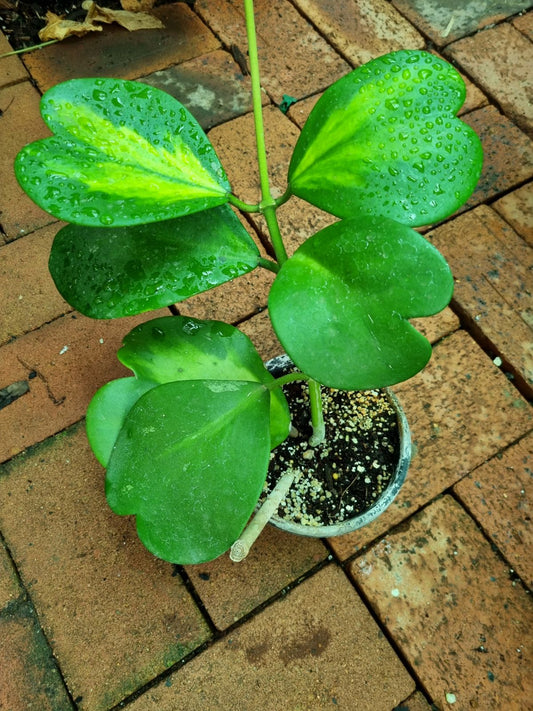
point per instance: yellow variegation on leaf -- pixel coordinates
(122, 153)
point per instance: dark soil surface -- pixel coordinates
(21, 21)
(346, 474)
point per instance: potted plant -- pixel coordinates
(187, 440)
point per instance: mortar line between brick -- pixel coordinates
(504, 21)
(505, 300)
(490, 349)
(179, 570)
(33, 447)
(229, 48)
(494, 198)
(25, 598)
(14, 83)
(36, 329)
(514, 577)
(31, 231)
(322, 34)
(222, 634)
(494, 233)
(420, 686)
(521, 14)
(486, 91)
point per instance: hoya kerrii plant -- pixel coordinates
(186, 440)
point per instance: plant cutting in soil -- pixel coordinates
(187, 440)
(345, 473)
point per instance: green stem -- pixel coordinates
(271, 218)
(284, 379)
(267, 264)
(244, 206)
(268, 204)
(28, 49)
(315, 401)
(256, 98)
(317, 415)
(283, 198)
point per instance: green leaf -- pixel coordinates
(182, 348)
(107, 272)
(340, 304)
(123, 153)
(176, 348)
(385, 140)
(190, 462)
(107, 412)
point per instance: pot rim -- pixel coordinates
(386, 498)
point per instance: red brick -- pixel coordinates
(448, 20)
(436, 327)
(115, 615)
(364, 30)
(11, 68)
(235, 145)
(64, 363)
(316, 648)
(416, 702)
(235, 300)
(30, 297)
(524, 23)
(20, 124)
(493, 288)
(229, 590)
(300, 111)
(497, 495)
(448, 602)
(30, 678)
(475, 99)
(9, 585)
(115, 52)
(212, 87)
(259, 330)
(500, 59)
(508, 154)
(461, 411)
(294, 59)
(516, 208)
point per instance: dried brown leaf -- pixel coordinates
(57, 28)
(130, 20)
(137, 5)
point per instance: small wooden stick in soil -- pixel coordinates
(240, 549)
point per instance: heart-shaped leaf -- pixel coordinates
(123, 153)
(107, 412)
(184, 348)
(107, 272)
(385, 140)
(177, 348)
(190, 463)
(340, 304)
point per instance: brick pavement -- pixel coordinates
(429, 606)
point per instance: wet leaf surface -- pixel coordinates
(123, 153)
(114, 272)
(385, 140)
(340, 305)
